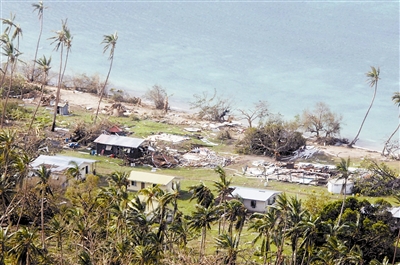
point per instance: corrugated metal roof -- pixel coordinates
(395, 212)
(253, 194)
(58, 162)
(119, 140)
(150, 177)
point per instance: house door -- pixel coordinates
(142, 187)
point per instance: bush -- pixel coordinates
(158, 95)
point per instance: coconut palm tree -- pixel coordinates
(396, 101)
(201, 221)
(223, 191)
(12, 54)
(343, 168)
(24, 246)
(44, 63)
(68, 44)
(202, 194)
(59, 41)
(40, 8)
(229, 245)
(44, 188)
(373, 78)
(58, 230)
(110, 42)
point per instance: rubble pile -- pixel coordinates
(302, 173)
(204, 157)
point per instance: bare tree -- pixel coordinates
(213, 108)
(259, 111)
(158, 95)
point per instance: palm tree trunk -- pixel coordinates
(390, 138)
(37, 107)
(395, 250)
(343, 202)
(53, 126)
(365, 117)
(37, 48)
(42, 218)
(3, 115)
(102, 91)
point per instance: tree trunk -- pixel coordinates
(3, 115)
(390, 138)
(37, 48)
(53, 126)
(102, 91)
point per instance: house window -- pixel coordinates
(253, 204)
(133, 183)
(108, 147)
(87, 169)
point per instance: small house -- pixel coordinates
(255, 200)
(336, 186)
(119, 146)
(62, 107)
(141, 180)
(58, 165)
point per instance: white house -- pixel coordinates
(336, 185)
(255, 200)
(58, 164)
(141, 180)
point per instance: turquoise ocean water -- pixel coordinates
(289, 53)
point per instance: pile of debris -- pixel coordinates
(204, 157)
(302, 173)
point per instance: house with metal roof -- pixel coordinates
(119, 146)
(140, 180)
(58, 164)
(255, 200)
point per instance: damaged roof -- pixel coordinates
(117, 140)
(59, 163)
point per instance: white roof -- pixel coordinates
(395, 212)
(148, 177)
(59, 162)
(119, 140)
(254, 194)
(340, 181)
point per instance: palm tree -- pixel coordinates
(74, 171)
(228, 244)
(223, 190)
(373, 78)
(44, 63)
(12, 54)
(343, 168)
(201, 220)
(3, 244)
(68, 44)
(202, 194)
(110, 41)
(119, 180)
(58, 230)
(59, 41)
(44, 188)
(25, 249)
(396, 101)
(40, 8)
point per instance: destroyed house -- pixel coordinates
(119, 146)
(255, 200)
(141, 180)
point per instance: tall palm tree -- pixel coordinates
(223, 191)
(396, 101)
(59, 41)
(25, 249)
(44, 188)
(201, 220)
(110, 42)
(40, 8)
(202, 194)
(68, 44)
(12, 54)
(44, 63)
(343, 168)
(373, 78)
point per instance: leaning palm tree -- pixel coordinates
(373, 78)
(343, 168)
(44, 63)
(110, 41)
(396, 101)
(40, 8)
(58, 40)
(68, 44)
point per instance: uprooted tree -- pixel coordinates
(211, 108)
(276, 138)
(158, 95)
